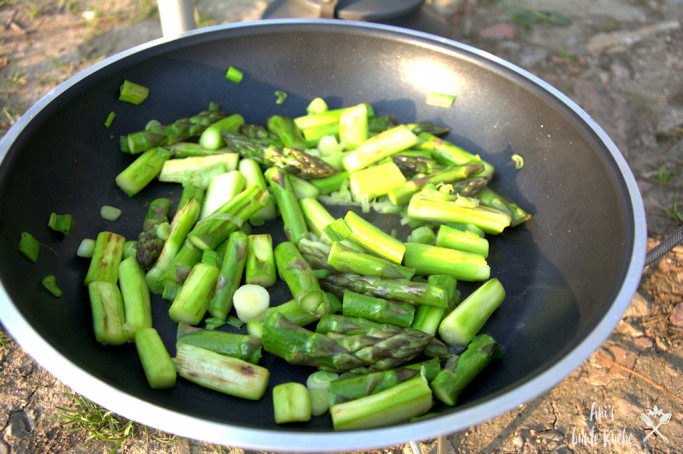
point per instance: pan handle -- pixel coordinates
(664, 247)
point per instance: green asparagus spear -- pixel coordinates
(298, 163)
(402, 194)
(231, 216)
(136, 297)
(156, 362)
(180, 266)
(379, 147)
(252, 172)
(177, 131)
(211, 138)
(182, 223)
(428, 318)
(192, 300)
(427, 259)
(346, 260)
(291, 403)
(452, 238)
(221, 373)
(461, 325)
(242, 346)
(393, 405)
(299, 346)
(377, 309)
(108, 313)
(231, 272)
(299, 277)
(287, 131)
(149, 244)
(142, 171)
(489, 198)
(104, 264)
(287, 203)
(448, 153)
(260, 265)
(488, 219)
(392, 289)
(449, 384)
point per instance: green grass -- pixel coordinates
(100, 424)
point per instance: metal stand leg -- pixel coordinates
(441, 446)
(176, 16)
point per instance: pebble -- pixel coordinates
(643, 343)
(18, 425)
(499, 31)
(676, 317)
(639, 307)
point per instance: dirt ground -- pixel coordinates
(621, 60)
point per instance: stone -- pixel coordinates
(643, 343)
(639, 307)
(676, 317)
(499, 31)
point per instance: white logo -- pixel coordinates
(663, 419)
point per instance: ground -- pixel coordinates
(620, 60)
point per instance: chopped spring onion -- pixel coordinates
(60, 223)
(250, 301)
(50, 283)
(29, 246)
(163, 231)
(133, 93)
(317, 106)
(234, 75)
(86, 248)
(440, 99)
(280, 96)
(214, 322)
(110, 213)
(518, 160)
(110, 119)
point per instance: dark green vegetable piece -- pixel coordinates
(299, 277)
(242, 346)
(230, 277)
(449, 384)
(149, 244)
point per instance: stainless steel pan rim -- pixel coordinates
(198, 428)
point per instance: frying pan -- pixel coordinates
(569, 273)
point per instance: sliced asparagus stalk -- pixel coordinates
(108, 313)
(449, 384)
(291, 403)
(453, 238)
(393, 405)
(379, 147)
(287, 203)
(104, 264)
(221, 373)
(427, 259)
(142, 171)
(377, 309)
(156, 361)
(191, 302)
(222, 188)
(253, 174)
(299, 277)
(242, 346)
(461, 325)
(346, 260)
(260, 265)
(231, 272)
(136, 297)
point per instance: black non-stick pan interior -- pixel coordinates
(569, 273)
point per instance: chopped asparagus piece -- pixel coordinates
(464, 322)
(221, 373)
(230, 277)
(133, 93)
(242, 346)
(156, 361)
(299, 277)
(104, 265)
(291, 403)
(136, 297)
(142, 171)
(108, 313)
(192, 301)
(393, 405)
(50, 284)
(379, 147)
(427, 259)
(259, 268)
(449, 384)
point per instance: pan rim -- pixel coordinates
(270, 439)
